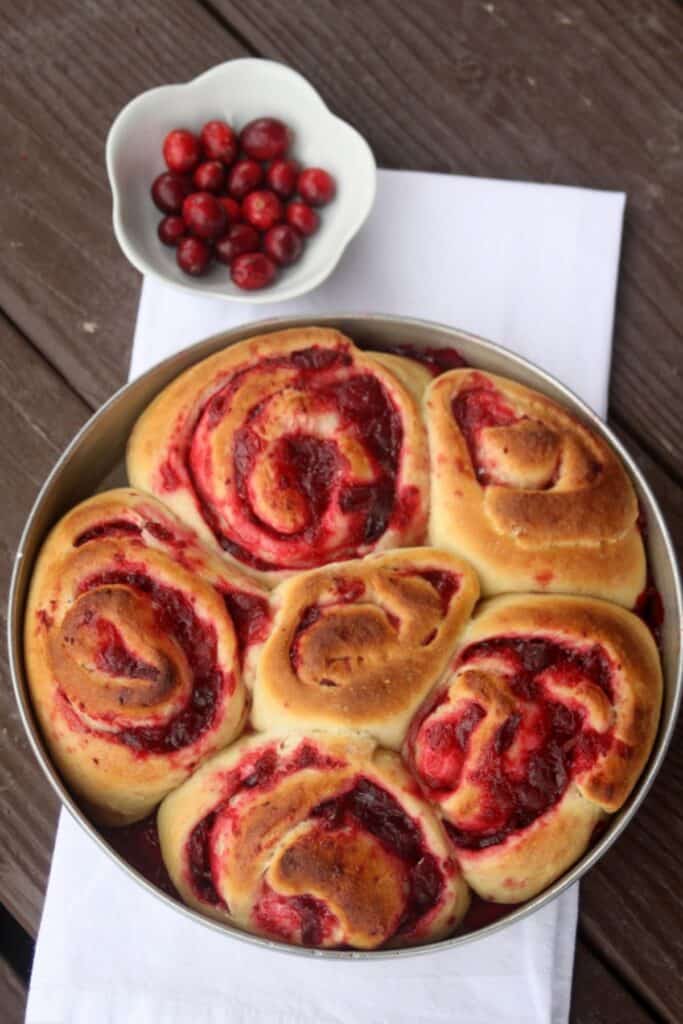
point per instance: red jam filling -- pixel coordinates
(482, 913)
(250, 615)
(112, 528)
(138, 844)
(174, 615)
(284, 916)
(260, 771)
(312, 465)
(446, 584)
(199, 861)
(437, 360)
(379, 813)
(114, 658)
(476, 409)
(559, 745)
(650, 608)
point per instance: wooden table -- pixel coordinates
(578, 93)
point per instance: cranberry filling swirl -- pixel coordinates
(135, 641)
(360, 644)
(288, 451)
(532, 497)
(542, 728)
(313, 839)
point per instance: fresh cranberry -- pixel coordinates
(209, 176)
(204, 215)
(244, 176)
(265, 139)
(232, 208)
(316, 186)
(193, 256)
(263, 209)
(219, 141)
(282, 177)
(169, 190)
(182, 152)
(171, 229)
(283, 244)
(240, 238)
(302, 217)
(252, 270)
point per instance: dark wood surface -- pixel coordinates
(585, 93)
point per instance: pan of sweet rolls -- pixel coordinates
(353, 636)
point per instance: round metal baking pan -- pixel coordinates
(94, 462)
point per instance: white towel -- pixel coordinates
(533, 267)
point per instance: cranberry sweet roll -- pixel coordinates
(541, 730)
(315, 840)
(360, 644)
(532, 497)
(134, 639)
(288, 451)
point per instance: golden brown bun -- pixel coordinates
(313, 839)
(533, 498)
(542, 728)
(413, 375)
(132, 654)
(288, 451)
(358, 645)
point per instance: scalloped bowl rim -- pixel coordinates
(280, 292)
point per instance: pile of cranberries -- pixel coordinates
(237, 199)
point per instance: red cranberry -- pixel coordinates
(181, 151)
(219, 141)
(171, 229)
(282, 177)
(168, 192)
(265, 139)
(283, 244)
(204, 215)
(240, 238)
(232, 208)
(302, 217)
(209, 176)
(316, 186)
(193, 256)
(252, 270)
(262, 209)
(244, 176)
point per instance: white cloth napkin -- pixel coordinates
(533, 267)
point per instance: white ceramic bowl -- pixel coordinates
(237, 91)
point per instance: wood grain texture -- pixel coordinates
(576, 93)
(632, 904)
(40, 414)
(598, 997)
(585, 93)
(67, 71)
(12, 994)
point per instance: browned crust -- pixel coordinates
(578, 535)
(268, 837)
(117, 786)
(636, 664)
(367, 663)
(530, 859)
(165, 427)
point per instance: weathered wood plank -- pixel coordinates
(578, 93)
(39, 414)
(598, 997)
(67, 71)
(631, 903)
(12, 994)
